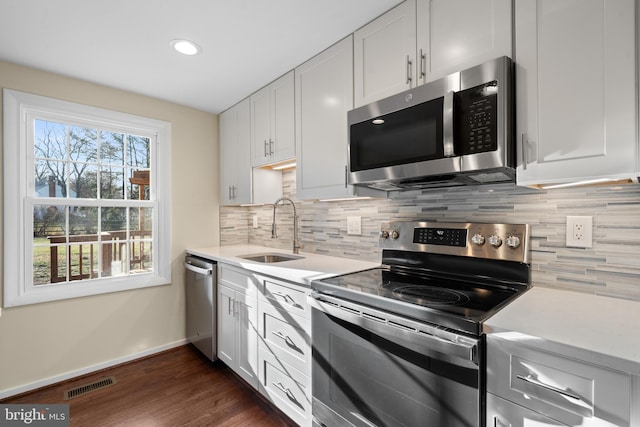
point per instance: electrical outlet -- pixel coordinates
(580, 231)
(354, 225)
(255, 220)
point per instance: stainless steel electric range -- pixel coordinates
(402, 344)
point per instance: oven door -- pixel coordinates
(371, 368)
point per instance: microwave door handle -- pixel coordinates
(447, 125)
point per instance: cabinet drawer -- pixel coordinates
(285, 335)
(568, 390)
(237, 279)
(288, 388)
(289, 297)
(502, 413)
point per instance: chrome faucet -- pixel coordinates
(274, 234)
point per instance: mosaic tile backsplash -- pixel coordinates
(611, 267)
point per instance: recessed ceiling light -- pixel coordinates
(185, 47)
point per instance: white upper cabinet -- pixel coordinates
(324, 94)
(454, 35)
(235, 165)
(422, 40)
(385, 54)
(272, 122)
(576, 90)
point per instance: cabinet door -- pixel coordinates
(247, 320)
(283, 136)
(261, 126)
(243, 193)
(576, 90)
(227, 155)
(502, 413)
(227, 325)
(457, 34)
(324, 94)
(235, 161)
(385, 55)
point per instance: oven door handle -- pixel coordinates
(419, 337)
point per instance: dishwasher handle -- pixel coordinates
(198, 270)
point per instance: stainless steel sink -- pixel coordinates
(269, 258)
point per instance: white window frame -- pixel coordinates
(19, 110)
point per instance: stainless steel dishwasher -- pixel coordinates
(201, 304)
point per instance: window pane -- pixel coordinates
(83, 144)
(49, 264)
(84, 261)
(83, 223)
(141, 222)
(50, 140)
(112, 183)
(141, 256)
(84, 181)
(139, 181)
(114, 219)
(50, 178)
(111, 148)
(48, 223)
(42, 264)
(138, 152)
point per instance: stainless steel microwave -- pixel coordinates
(454, 131)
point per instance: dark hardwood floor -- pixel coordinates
(178, 387)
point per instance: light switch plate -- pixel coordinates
(255, 220)
(354, 225)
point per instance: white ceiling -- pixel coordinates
(125, 43)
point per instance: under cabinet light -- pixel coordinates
(284, 166)
(578, 184)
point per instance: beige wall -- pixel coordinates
(51, 340)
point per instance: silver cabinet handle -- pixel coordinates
(531, 380)
(423, 64)
(271, 144)
(288, 393)
(287, 298)
(287, 340)
(409, 64)
(266, 144)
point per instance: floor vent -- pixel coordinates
(87, 388)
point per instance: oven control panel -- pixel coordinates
(482, 240)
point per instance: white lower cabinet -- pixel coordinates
(237, 322)
(528, 385)
(284, 347)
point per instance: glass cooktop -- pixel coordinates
(446, 300)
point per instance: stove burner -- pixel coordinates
(430, 295)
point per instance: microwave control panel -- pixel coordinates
(475, 119)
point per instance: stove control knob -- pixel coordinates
(495, 241)
(394, 235)
(477, 239)
(384, 234)
(513, 241)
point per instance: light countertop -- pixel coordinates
(301, 271)
(597, 329)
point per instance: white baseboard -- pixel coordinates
(89, 369)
